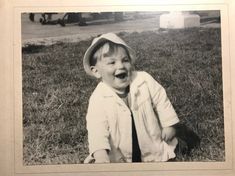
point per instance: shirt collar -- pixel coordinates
(107, 91)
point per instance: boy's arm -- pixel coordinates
(161, 103)
(98, 133)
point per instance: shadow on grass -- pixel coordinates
(187, 139)
(30, 49)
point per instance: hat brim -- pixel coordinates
(97, 41)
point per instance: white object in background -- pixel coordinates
(178, 20)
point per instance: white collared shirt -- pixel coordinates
(109, 120)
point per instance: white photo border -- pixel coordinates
(116, 169)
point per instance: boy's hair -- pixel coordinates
(105, 49)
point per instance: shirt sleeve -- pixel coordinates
(162, 105)
(97, 126)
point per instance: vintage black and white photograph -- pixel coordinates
(122, 87)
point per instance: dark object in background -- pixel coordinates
(187, 139)
(47, 19)
(31, 17)
(69, 18)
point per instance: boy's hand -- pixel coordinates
(168, 133)
(101, 156)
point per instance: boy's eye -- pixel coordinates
(126, 60)
(111, 63)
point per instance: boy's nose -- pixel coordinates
(119, 65)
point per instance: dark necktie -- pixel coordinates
(136, 153)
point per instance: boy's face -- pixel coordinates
(114, 70)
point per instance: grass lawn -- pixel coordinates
(56, 92)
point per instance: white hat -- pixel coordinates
(105, 37)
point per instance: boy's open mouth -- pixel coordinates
(121, 75)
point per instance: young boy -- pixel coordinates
(129, 118)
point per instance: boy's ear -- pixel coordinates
(95, 72)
